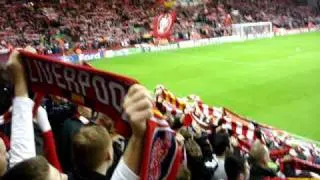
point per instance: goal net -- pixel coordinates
(253, 30)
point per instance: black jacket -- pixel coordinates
(257, 172)
(85, 175)
(70, 127)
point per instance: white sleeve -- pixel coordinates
(22, 134)
(123, 172)
(1, 120)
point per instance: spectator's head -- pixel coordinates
(193, 149)
(205, 146)
(92, 149)
(260, 153)
(36, 168)
(3, 159)
(236, 168)
(221, 144)
(185, 133)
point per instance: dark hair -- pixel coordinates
(36, 168)
(6, 91)
(234, 166)
(220, 143)
(205, 146)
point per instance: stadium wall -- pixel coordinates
(146, 48)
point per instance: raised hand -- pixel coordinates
(138, 106)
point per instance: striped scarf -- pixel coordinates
(245, 131)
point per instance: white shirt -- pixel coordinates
(123, 172)
(220, 173)
(22, 136)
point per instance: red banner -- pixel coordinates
(163, 25)
(104, 92)
(101, 91)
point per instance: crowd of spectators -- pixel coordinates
(70, 141)
(84, 149)
(54, 27)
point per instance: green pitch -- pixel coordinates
(273, 81)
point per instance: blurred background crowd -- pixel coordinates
(52, 26)
(69, 135)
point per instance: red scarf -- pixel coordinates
(104, 92)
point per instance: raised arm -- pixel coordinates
(22, 135)
(138, 106)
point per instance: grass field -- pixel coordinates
(273, 81)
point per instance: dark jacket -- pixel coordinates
(198, 169)
(70, 127)
(86, 175)
(257, 172)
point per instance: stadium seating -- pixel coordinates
(54, 27)
(170, 136)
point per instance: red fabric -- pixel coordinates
(162, 154)
(168, 30)
(297, 163)
(306, 165)
(6, 140)
(37, 103)
(104, 92)
(278, 153)
(243, 145)
(7, 116)
(187, 120)
(49, 148)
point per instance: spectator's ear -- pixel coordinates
(109, 154)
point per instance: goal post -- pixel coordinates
(253, 30)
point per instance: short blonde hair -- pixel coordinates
(259, 151)
(90, 146)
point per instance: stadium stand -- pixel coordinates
(200, 141)
(53, 27)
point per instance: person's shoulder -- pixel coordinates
(123, 172)
(258, 171)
